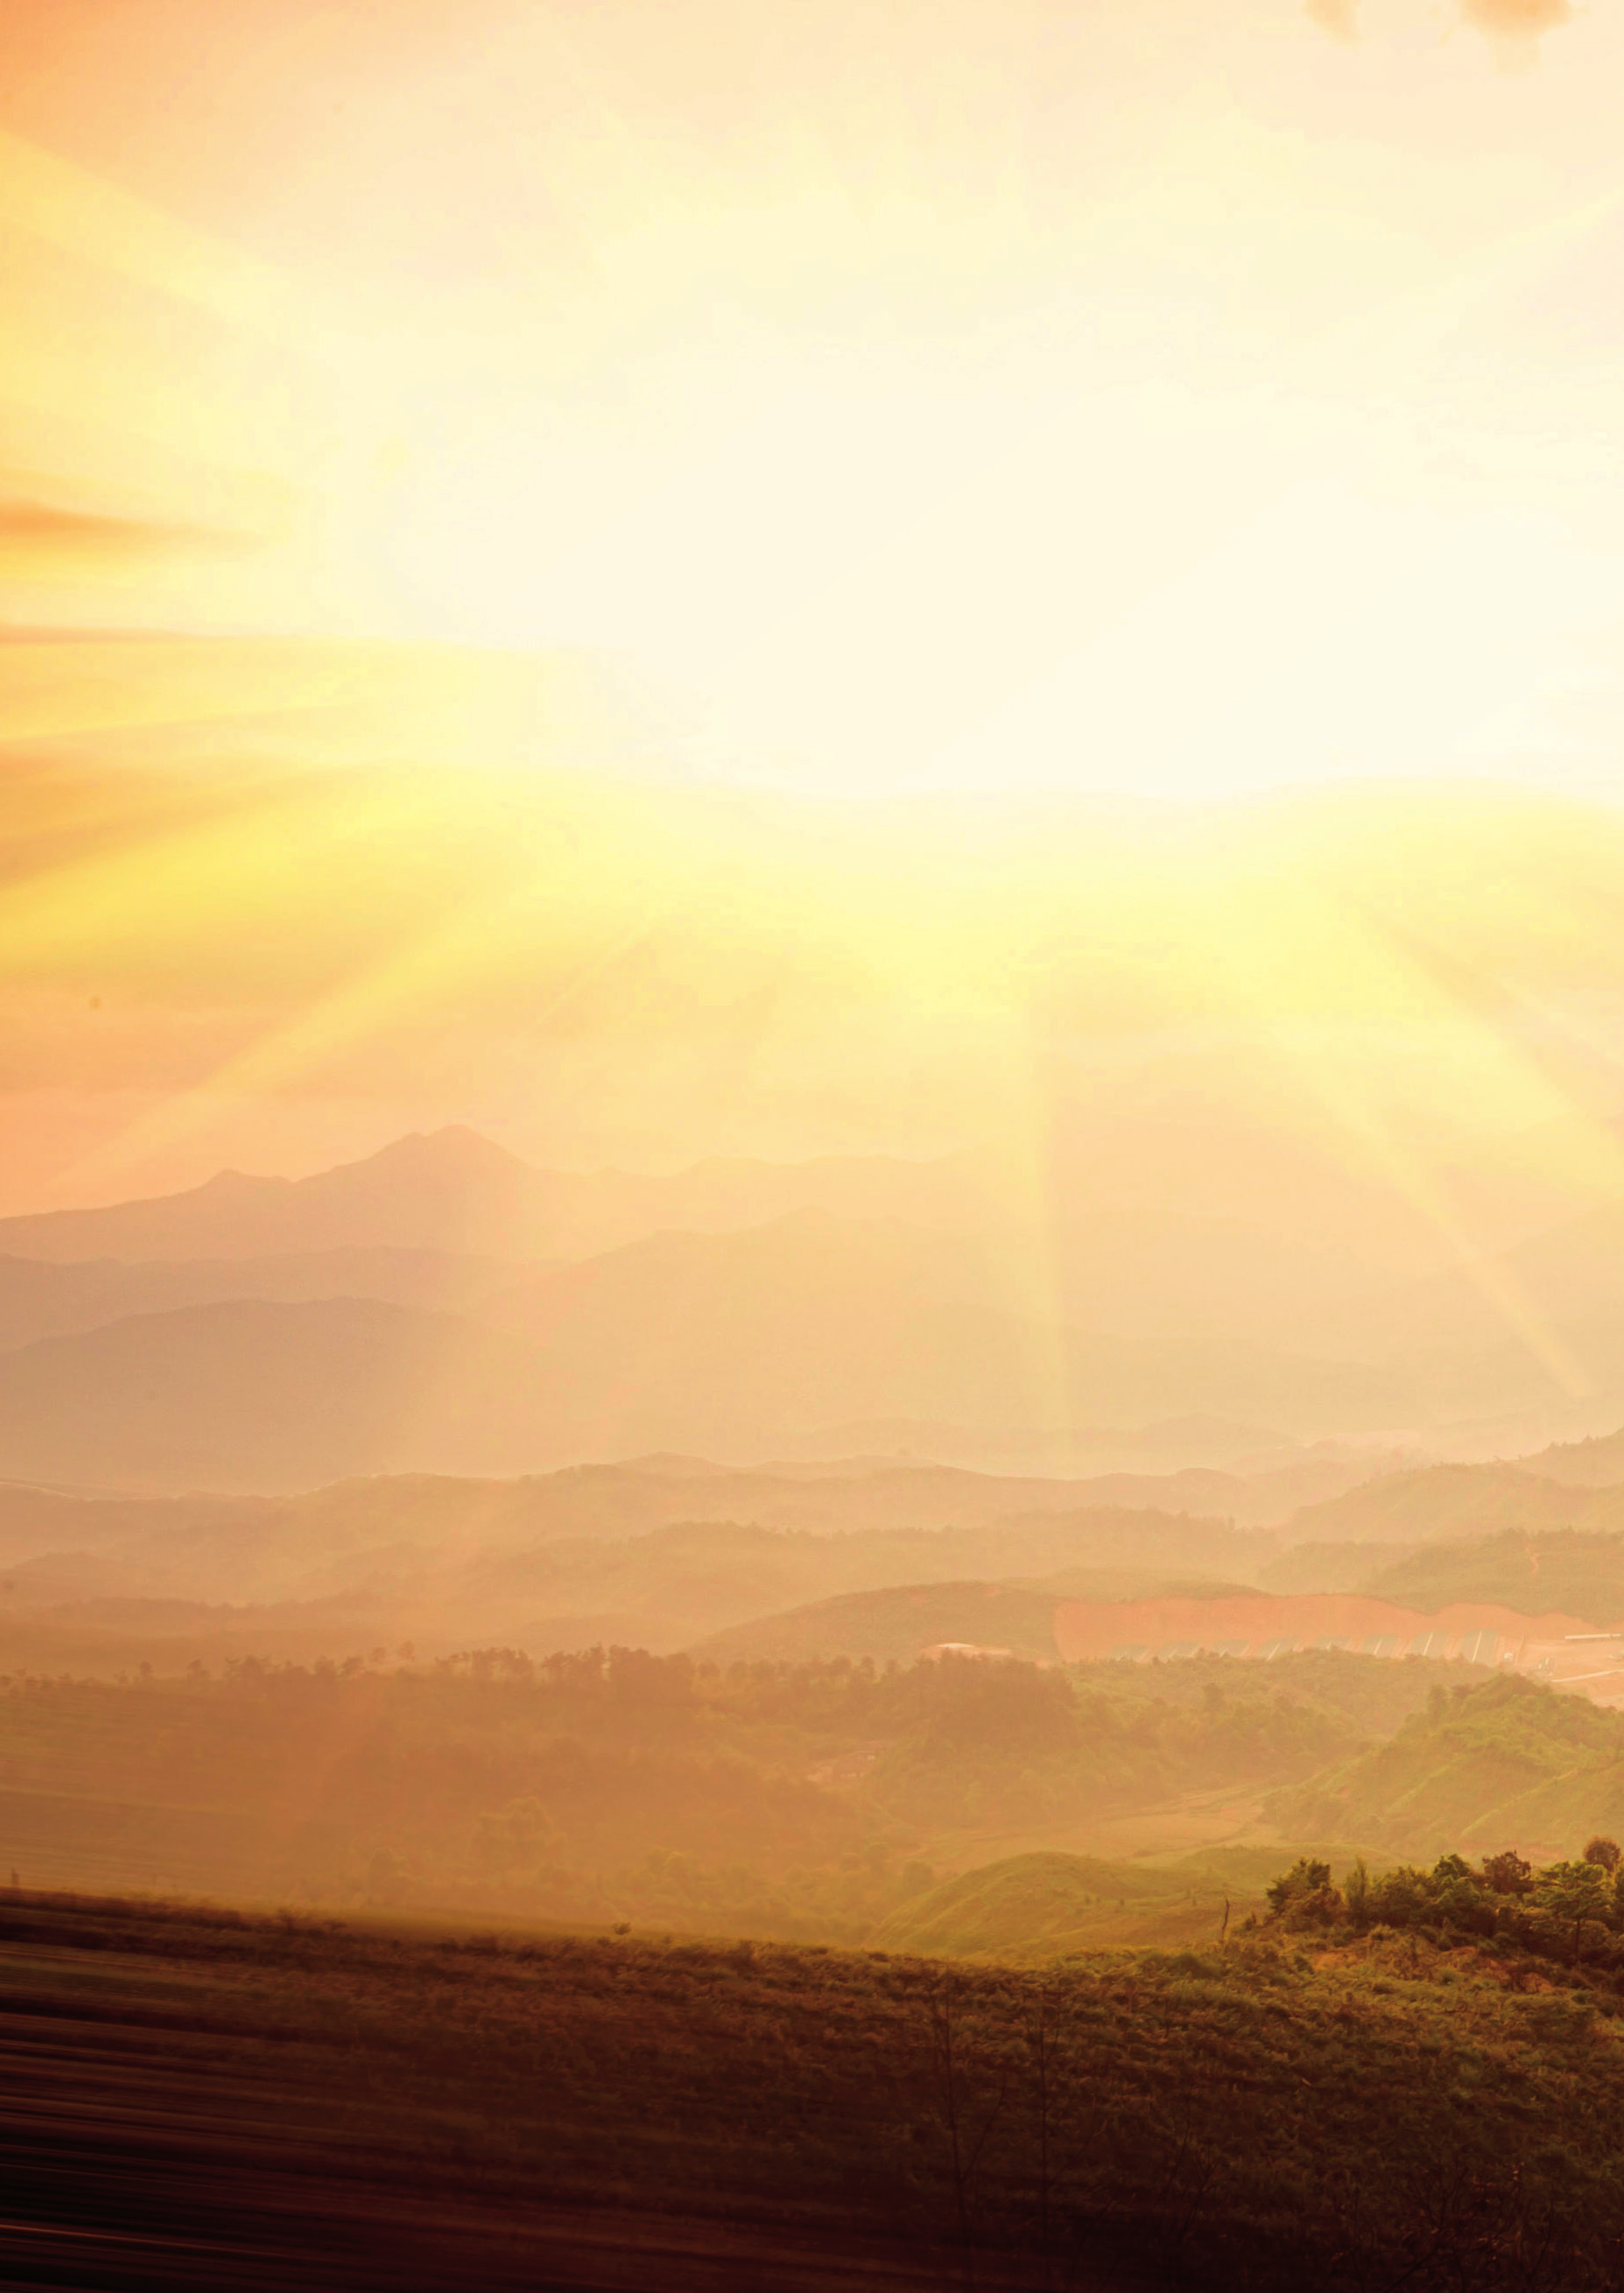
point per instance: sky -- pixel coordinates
(668, 580)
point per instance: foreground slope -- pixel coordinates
(192, 2100)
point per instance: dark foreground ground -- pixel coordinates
(190, 2098)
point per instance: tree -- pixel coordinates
(1602, 1851)
(1577, 1892)
(1508, 1873)
(1305, 1877)
(517, 1843)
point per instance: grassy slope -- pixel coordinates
(1508, 1763)
(1030, 1907)
(1254, 2118)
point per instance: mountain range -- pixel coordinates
(792, 1560)
(442, 1307)
(453, 1191)
(400, 1315)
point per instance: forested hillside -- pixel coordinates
(1579, 1571)
(806, 1799)
(1507, 1762)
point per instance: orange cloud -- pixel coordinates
(39, 537)
(1339, 18)
(1516, 20)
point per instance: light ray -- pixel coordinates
(425, 972)
(1322, 1066)
(92, 219)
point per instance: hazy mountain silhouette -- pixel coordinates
(437, 1561)
(1167, 1446)
(249, 1395)
(45, 1298)
(731, 1343)
(233, 1539)
(718, 1339)
(747, 1337)
(739, 1309)
(1597, 1463)
(600, 1502)
(453, 1190)
(1455, 1499)
(1541, 1321)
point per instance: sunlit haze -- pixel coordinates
(1169, 399)
(1024, 580)
(812, 1145)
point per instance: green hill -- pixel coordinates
(1045, 1906)
(1579, 1571)
(1330, 1567)
(895, 1624)
(1508, 1764)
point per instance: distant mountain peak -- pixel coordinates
(454, 1148)
(229, 1182)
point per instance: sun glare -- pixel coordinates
(811, 1143)
(1208, 465)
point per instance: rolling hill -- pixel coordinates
(895, 1624)
(1508, 1764)
(1436, 1502)
(1597, 1463)
(1581, 1571)
(1046, 1906)
(718, 2114)
(445, 1564)
(1009, 1515)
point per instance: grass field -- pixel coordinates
(201, 2098)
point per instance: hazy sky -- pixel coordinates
(549, 424)
(1170, 395)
